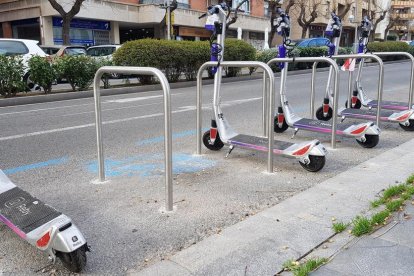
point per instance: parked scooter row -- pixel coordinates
(312, 154)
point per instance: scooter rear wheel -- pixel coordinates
(410, 127)
(357, 104)
(316, 163)
(74, 261)
(278, 129)
(319, 114)
(217, 145)
(370, 142)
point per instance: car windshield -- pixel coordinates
(10, 48)
(75, 51)
(100, 51)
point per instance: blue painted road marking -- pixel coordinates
(47, 163)
(160, 139)
(145, 165)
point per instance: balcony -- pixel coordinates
(159, 2)
(402, 4)
(403, 16)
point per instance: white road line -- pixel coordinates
(181, 109)
(127, 100)
(110, 109)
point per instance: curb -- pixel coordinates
(291, 229)
(63, 96)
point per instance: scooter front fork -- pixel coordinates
(354, 99)
(213, 132)
(280, 117)
(325, 107)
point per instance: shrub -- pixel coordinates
(79, 71)
(389, 46)
(237, 50)
(266, 55)
(11, 75)
(195, 53)
(42, 72)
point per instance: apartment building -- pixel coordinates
(117, 21)
(359, 9)
(402, 12)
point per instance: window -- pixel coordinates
(10, 48)
(100, 51)
(245, 7)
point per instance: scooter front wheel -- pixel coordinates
(357, 104)
(316, 163)
(217, 145)
(370, 141)
(319, 114)
(278, 129)
(410, 127)
(74, 261)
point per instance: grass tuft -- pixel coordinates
(362, 226)
(309, 266)
(290, 265)
(394, 205)
(339, 227)
(410, 190)
(377, 203)
(380, 217)
(394, 191)
(410, 179)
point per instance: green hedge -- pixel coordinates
(42, 72)
(11, 75)
(390, 46)
(265, 56)
(176, 58)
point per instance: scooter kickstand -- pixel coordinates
(230, 150)
(294, 133)
(343, 118)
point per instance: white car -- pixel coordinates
(25, 48)
(103, 52)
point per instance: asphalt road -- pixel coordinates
(50, 150)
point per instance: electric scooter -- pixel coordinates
(333, 30)
(311, 155)
(42, 226)
(405, 115)
(366, 134)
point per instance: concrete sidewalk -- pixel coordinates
(262, 243)
(388, 251)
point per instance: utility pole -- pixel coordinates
(168, 20)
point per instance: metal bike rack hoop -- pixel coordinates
(270, 106)
(167, 122)
(336, 84)
(411, 91)
(361, 56)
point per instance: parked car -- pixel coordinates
(50, 49)
(104, 52)
(71, 51)
(411, 43)
(312, 42)
(24, 48)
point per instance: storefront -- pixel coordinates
(317, 31)
(83, 32)
(26, 29)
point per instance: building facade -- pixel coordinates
(117, 21)
(402, 13)
(352, 19)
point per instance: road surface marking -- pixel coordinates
(47, 163)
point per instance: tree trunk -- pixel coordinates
(304, 31)
(66, 30)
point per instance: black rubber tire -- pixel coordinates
(357, 105)
(278, 129)
(29, 84)
(371, 141)
(319, 114)
(74, 261)
(410, 127)
(218, 144)
(316, 163)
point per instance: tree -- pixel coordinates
(394, 22)
(66, 17)
(308, 12)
